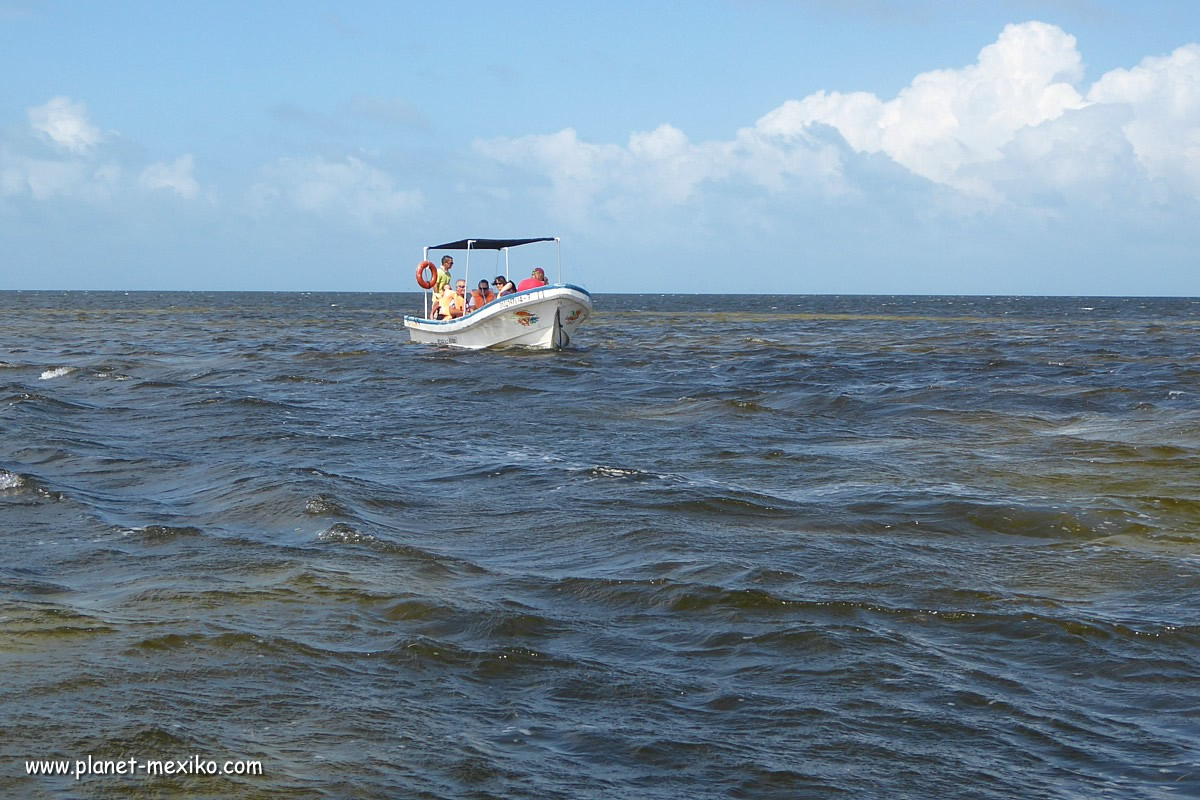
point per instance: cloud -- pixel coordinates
(388, 110)
(662, 168)
(77, 171)
(64, 123)
(391, 111)
(947, 119)
(45, 179)
(41, 178)
(88, 166)
(1162, 96)
(577, 170)
(1014, 126)
(176, 177)
(351, 190)
(503, 73)
(294, 114)
(14, 11)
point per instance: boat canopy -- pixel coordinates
(488, 244)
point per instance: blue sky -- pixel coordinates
(828, 146)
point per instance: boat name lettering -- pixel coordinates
(525, 298)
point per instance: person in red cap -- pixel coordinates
(536, 279)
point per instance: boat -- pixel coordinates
(545, 317)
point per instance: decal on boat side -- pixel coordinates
(521, 299)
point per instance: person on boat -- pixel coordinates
(503, 286)
(537, 278)
(480, 297)
(442, 304)
(443, 276)
(451, 303)
(460, 301)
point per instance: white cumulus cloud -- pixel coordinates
(1017, 124)
(949, 118)
(64, 123)
(45, 179)
(662, 167)
(76, 172)
(41, 178)
(176, 177)
(351, 189)
(1162, 95)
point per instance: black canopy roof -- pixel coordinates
(488, 244)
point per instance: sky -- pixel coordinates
(726, 146)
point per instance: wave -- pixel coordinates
(659, 593)
(480, 664)
(300, 379)
(602, 471)
(321, 505)
(43, 401)
(739, 504)
(10, 481)
(507, 389)
(341, 533)
(28, 623)
(338, 354)
(814, 618)
(428, 561)
(19, 484)
(56, 372)
(158, 384)
(256, 402)
(165, 533)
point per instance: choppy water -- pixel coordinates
(842, 547)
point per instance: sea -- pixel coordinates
(259, 545)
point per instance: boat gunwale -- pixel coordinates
(483, 313)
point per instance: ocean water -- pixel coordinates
(859, 547)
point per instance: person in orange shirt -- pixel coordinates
(480, 297)
(452, 303)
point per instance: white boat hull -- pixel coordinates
(545, 318)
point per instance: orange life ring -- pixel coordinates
(426, 284)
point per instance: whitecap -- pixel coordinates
(57, 372)
(10, 480)
(343, 533)
(601, 470)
